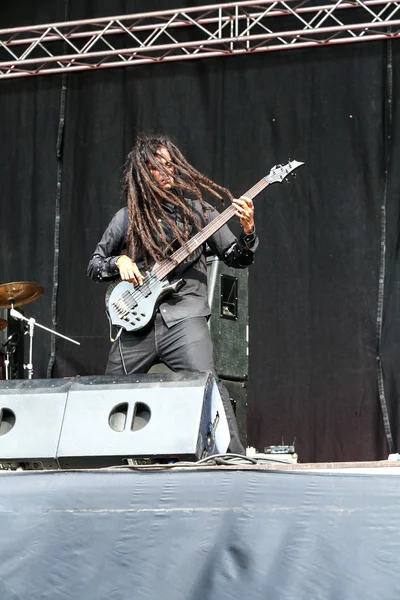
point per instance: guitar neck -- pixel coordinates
(169, 264)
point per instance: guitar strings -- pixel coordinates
(204, 233)
(152, 279)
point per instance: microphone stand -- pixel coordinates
(31, 323)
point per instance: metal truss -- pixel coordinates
(224, 29)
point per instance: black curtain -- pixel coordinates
(313, 371)
(328, 250)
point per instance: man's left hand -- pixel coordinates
(244, 209)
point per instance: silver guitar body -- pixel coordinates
(133, 307)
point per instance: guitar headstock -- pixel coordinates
(280, 172)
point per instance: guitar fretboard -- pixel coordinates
(169, 264)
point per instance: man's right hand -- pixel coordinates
(128, 270)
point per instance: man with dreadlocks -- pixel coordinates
(157, 182)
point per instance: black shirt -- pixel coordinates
(191, 300)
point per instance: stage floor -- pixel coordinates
(288, 531)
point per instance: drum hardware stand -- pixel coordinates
(10, 346)
(31, 326)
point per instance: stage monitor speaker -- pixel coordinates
(31, 415)
(143, 418)
(228, 299)
(104, 421)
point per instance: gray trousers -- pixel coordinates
(185, 346)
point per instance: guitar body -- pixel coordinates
(133, 307)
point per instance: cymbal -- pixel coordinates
(19, 293)
(3, 324)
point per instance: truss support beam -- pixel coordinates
(223, 29)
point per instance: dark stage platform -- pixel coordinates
(255, 532)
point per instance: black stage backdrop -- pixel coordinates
(324, 294)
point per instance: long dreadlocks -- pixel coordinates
(144, 195)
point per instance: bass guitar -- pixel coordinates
(132, 307)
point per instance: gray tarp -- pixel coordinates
(199, 534)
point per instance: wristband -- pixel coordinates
(248, 238)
